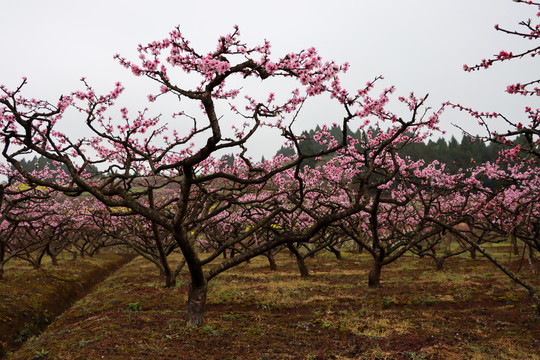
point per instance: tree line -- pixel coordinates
(454, 154)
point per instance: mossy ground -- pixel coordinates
(469, 310)
(32, 298)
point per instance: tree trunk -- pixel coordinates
(311, 254)
(271, 260)
(52, 255)
(1, 270)
(472, 251)
(168, 274)
(515, 244)
(531, 259)
(374, 279)
(336, 252)
(532, 254)
(39, 258)
(439, 263)
(170, 280)
(196, 303)
(304, 272)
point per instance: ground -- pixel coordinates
(469, 310)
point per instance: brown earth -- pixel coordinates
(31, 299)
(469, 310)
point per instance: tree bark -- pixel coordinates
(52, 255)
(531, 259)
(304, 272)
(170, 280)
(37, 263)
(374, 279)
(336, 252)
(271, 261)
(515, 244)
(196, 303)
(532, 254)
(472, 251)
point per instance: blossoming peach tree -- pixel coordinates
(157, 172)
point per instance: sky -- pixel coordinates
(417, 45)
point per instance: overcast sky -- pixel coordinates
(418, 45)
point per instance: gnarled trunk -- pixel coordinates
(304, 272)
(374, 279)
(170, 279)
(515, 247)
(54, 260)
(532, 253)
(271, 261)
(52, 255)
(439, 263)
(336, 252)
(472, 251)
(196, 303)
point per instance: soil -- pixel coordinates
(469, 310)
(33, 298)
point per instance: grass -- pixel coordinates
(254, 313)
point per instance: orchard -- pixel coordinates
(162, 189)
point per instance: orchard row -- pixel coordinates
(163, 187)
